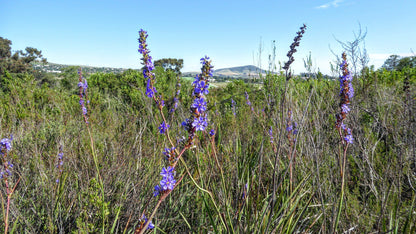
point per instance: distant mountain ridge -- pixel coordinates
(58, 68)
(241, 72)
(247, 71)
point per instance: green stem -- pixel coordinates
(100, 180)
(342, 186)
(206, 191)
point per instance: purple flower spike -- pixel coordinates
(147, 61)
(83, 85)
(248, 101)
(198, 120)
(346, 93)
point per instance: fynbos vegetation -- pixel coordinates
(145, 151)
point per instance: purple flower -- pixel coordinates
(245, 191)
(343, 64)
(200, 123)
(186, 124)
(201, 87)
(169, 151)
(84, 110)
(149, 64)
(160, 102)
(85, 86)
(248, 101)
(168, 183)
(6, 144)
(150, 90)
(295, 131)
(349, 139)
(348, 77)
(345, 108)
(197, 79)
(157, 191)
(233, 106)
(348, 131)
(199, 104)
(60, 160)
(167, 172)
(350, 91)
(212, 132)
(271, 134)
(151, 225)
(163, 127)
(204, 60)
(175, 104)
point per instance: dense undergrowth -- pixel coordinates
(237, 164)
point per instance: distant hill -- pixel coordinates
(58, 68)
(248, 71)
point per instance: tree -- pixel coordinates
(391, 62)
(20, 61)
(409, 62)
(395, 62)
(5, 49)
(32, 54)
(170, 64)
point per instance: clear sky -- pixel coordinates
(105, 32)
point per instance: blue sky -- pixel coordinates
(104, 33)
